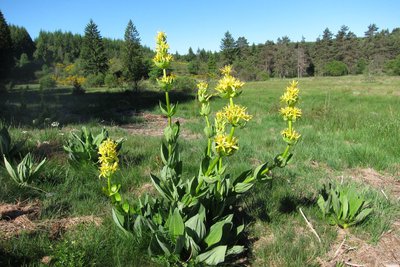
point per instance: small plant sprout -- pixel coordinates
(343, 205)
(26, 171)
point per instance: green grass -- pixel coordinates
(347, 123)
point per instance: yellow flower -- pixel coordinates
(220, 122)
(202, 86)
(226, 70)
(291, 96)
(236, 115)
(290, 113)
(162, 57)
(290, 136)
(224, 145)
(228, 86)
(166, 82)
(108, 158)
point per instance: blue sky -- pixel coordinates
(202, 24)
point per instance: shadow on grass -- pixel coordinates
(31, 107)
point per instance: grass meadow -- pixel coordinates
(350, 133)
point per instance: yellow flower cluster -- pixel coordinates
(290, 136)
(224, 145)
(220, 123)
(166, 82)
(235, 114)
(291, 96)
(108, 158)
(162, 57)
(290, 113)
(202, 95)
(228, 86)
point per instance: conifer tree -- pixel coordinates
(132, 55)
(6, 58)
(228, 48)
(94, 58)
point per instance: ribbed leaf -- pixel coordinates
(214, 256)
(176, 225)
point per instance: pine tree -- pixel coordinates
(94, 59)
(6, 58)
(132, 55)
(228, 48)
(22, 41)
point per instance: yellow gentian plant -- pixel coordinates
(195, 218)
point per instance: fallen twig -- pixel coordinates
(353, 264)
(338, 250)
(383, 192)
(310, 225)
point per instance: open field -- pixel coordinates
(350, 132)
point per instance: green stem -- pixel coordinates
(168, 107)
(231, 101)
(109, 184)
(231, 133)
(211, 167)
(220, 163)
(209, 142)
(285, 153)
(290, 125)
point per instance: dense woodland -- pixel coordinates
(92, 60)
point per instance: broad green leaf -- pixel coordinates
(362, 215)
(355, 204)
(235, 250)
(335, 203)
(11, 171)
(176, 225)
(345, 206)
(214, 256)
(216, 231)
(162, 242)
(196, 224)
(321, 204)
(39, 166)
(119, 220)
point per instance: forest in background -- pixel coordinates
(91, 60)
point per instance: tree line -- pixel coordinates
(115, 62)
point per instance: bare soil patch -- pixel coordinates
(23, 217)
(353, 251)
(153, 125)
(381, 181)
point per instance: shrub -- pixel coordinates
(392, 67)
(185, 84)
(111, 81)
(93, 80)
(335, 68)
(262, 76)
(47, 82)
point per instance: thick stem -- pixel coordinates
(211, 167)
(231, 101)
(231, 133)
(168, 107)
(209, 142)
